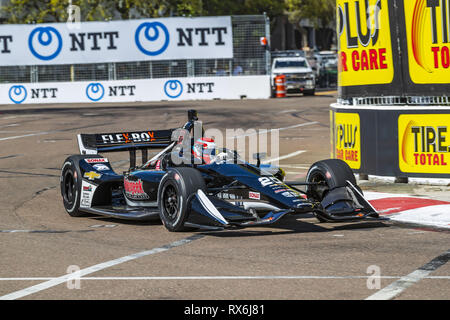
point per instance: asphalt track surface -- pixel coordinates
(297, 258)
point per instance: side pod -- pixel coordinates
(211, 212)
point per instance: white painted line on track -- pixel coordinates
(101, 266)
(287, 111)
(15, 231)
(17, 131)
(18, 116)
(287, 156)
(396, 288)
(10, 125)
(28, 135)
(258, 132)
(268, 277)
(47, 132)
(293, 172)
(293, 166)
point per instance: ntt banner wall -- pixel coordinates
(176, 58)
(392, 117)
(208, 88)
(116, 41)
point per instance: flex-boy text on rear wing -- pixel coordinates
(133, 140)
(124, 141)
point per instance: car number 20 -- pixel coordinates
(269, 181)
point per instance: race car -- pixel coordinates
(191, 183)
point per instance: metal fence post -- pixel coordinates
(111, 71)
(268, 58)
(34, 74)
(190, 68)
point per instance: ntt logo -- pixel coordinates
(17, 94)
(152, 38)
(95, 91)
(173, 88)
(45, 43)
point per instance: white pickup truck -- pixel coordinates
(300, 77)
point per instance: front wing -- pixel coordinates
(340, 205)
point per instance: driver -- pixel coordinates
(204, 150)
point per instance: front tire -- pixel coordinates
(174, 193)
(71, 181)
(328, 175)
(71, 186)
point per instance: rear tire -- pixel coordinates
(175, 190)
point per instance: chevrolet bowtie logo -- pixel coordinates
(92, 175)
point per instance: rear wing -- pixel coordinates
(132, 141)
(124, 141)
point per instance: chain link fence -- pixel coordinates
(250, 58)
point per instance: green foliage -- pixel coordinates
(27, 11)
(320, 12)
(39, 11)
(273, 8)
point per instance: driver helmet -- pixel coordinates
(204, 149)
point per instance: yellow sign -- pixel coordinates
(424, 143)
(364, 36)
(428, 37)
(348, 139)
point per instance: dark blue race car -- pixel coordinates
(191, 183)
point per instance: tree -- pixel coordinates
(39, 11)
(320, 12)
(272, 8)
(28, 11)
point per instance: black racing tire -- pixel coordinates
(174, 192)
(71, 186)
(333, 172)
(71, 180)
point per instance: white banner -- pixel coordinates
(207, 88)
(116, 41)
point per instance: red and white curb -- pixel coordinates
(409, 209)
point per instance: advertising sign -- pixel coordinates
(428, 37)
(364, 36)
(348, 138)
(198, 88)
(424, 143)
(116, 41)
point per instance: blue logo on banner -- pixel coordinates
(173, 88)
(45, 43)
(156, 38)
(17, 94)
(95, 91)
